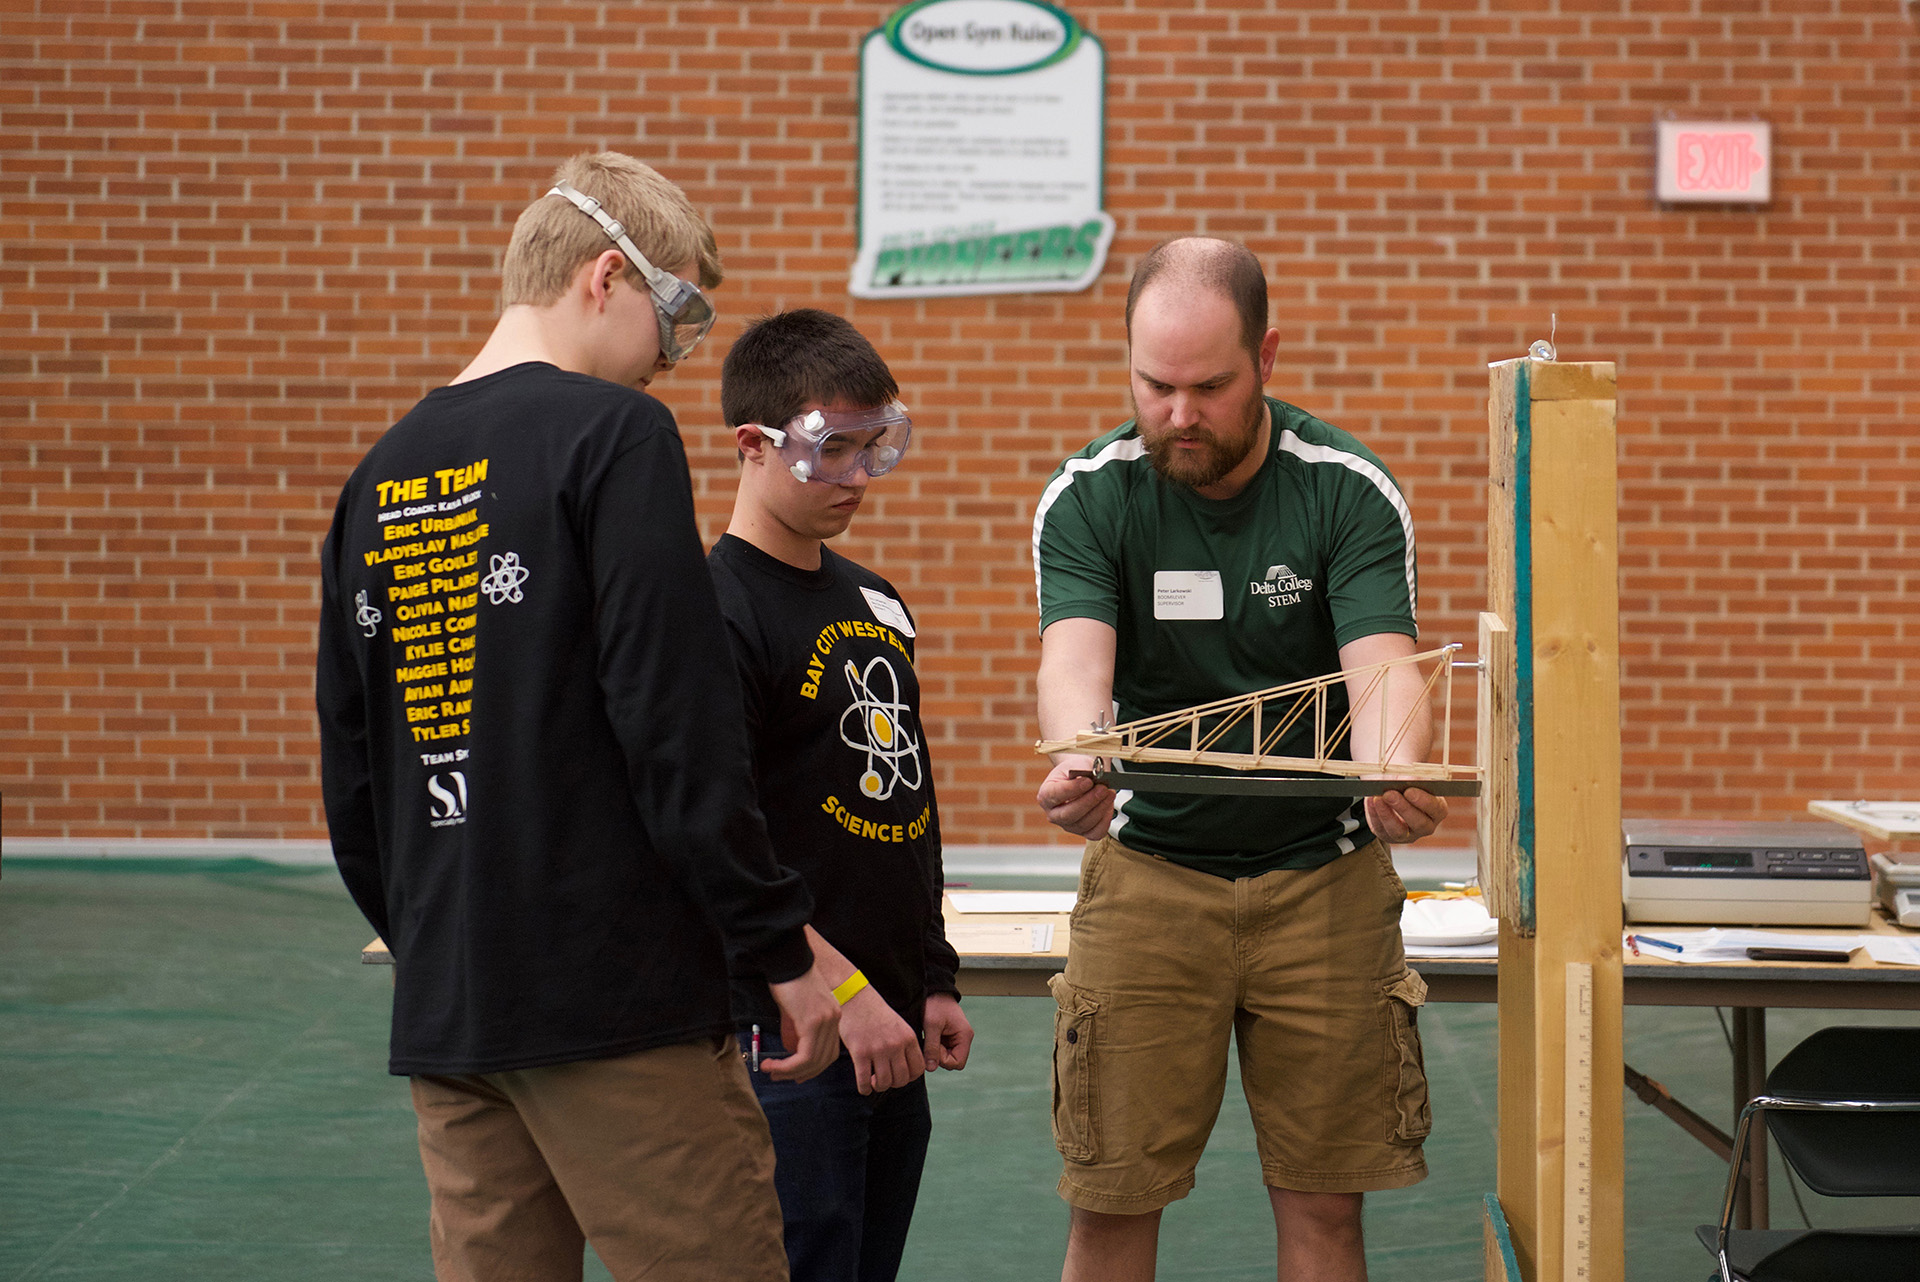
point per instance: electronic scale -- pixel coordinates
(1720, 872)
(1897, 886)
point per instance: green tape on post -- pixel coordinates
(1502, 1264)
(1523, 643)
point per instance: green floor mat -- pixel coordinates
(193, 1086)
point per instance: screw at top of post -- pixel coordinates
(1542, 349)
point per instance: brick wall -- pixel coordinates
(238, 239)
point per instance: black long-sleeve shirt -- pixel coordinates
(840, 759)
(536, 775)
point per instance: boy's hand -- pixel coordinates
(885, 1053)
(949, 1035)
(809, 1026)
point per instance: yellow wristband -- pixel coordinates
(849, 988)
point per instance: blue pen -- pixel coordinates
(1658, 943)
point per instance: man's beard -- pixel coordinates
(1217, 455)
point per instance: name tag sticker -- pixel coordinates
(1187, 594)
(888, 611)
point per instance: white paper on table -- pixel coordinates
(1731, 945)
(974, 937)
(1011, 901)
(1890, 950)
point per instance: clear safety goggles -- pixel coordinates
(831, 445)
(683, 311)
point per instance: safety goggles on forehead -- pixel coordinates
(831, 445)
(683, 311)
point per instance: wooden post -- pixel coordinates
(1552, 575)
(1493, 748)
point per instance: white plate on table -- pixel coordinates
(1446, 923)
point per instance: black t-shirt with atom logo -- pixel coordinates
(840, 763)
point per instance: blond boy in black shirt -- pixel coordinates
(533, 785)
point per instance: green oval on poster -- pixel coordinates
(983, 37)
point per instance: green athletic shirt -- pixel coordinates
(1216, 598)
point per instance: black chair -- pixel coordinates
(1844, 1107)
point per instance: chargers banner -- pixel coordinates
(982, 137)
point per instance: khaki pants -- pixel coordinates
(1303, 969)
(660, 1159)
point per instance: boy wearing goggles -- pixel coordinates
(534, 786)
(824, 649)
(681, 311)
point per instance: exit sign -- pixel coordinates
(1715, 163)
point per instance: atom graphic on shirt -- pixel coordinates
(876, 724)
(503, 583)
(366, 616)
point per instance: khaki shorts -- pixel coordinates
(660, 1159)
(1304, 969)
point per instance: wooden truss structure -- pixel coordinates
(1265, 718)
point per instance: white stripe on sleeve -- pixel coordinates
(1292, 444)
(1122, 450)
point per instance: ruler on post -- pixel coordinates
(1577, 1179)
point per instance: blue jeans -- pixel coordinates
(846, 1166)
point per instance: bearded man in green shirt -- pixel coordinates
(1218, 543)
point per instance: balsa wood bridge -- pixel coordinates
(1266, 718)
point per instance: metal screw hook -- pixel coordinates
(1543, 349)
